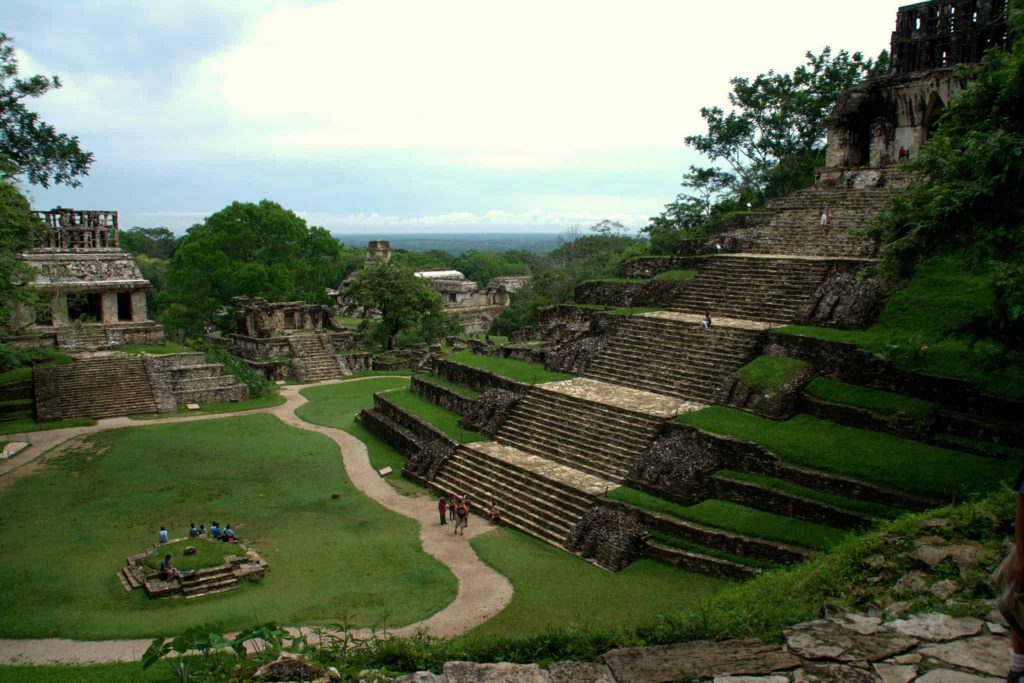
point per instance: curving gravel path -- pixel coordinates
(483, 592)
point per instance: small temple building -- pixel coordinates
(94, 293)
(475, 309)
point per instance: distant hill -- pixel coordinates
(457, 243)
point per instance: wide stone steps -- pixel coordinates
(317, 361)
(597, 462)
(552, 413)
(541, 507)
(105, 387)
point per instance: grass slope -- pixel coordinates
(675, 275)
(771, 372)
(65, 531)
(20, 426)
(738, 518)
(554, 589)
(937, 310)
(877, 401)
(867, 507)
(94, 673)
(451, 386)
(863, 454)
(445, 420)
(518, 370)
(336, 405)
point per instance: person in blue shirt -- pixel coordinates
(215, 530)
(229, 534)
(193, 532)
(163, 534)
(202, 529)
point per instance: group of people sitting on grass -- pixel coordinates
(458, 511)
(215, 532)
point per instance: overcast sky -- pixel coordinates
(388, 115)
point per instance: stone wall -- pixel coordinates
(652, 293)
(442, 396)
(422, 431)
(279, 369)
(357, 361)
(845, 298)
(387, 431)
(475, 378)
(855, 365)
(488, 412)
(611, 537)
(650, 266)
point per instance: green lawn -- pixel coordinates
(927, 327)
(209, 553)
(771, 372)
(738, 518)
(65, 532)
(29, 425)
(445, 420)
(675, 275)
(860, 453)
(864, 506)
(554, 589)
(520, 371)
(336, 405)
(459, 389)
(215, 408)
(879, 402)
(155, 349)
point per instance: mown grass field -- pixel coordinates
(66, 530)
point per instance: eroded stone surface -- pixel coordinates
(751, 679)
(831, 672)
(700, 659)
(827, 639)
(895, 673)
(502, 672)
(695, 319)
(544, 467)
(579, 672)
(623, 397)
(950, 676)
(937, 627)
(985, 654)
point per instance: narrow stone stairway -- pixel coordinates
(315, 360)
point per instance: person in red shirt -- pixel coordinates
(442, 505)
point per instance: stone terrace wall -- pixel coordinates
(855, 365)
(442, 396)
(650, 266)
(476, 378)
(423, 431)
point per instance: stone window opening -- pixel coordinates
(86, 308)
(124, 306)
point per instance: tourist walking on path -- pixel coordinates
(826, 219)
(1009, 583)
(461, 518)
(442, 506)
(163, 534)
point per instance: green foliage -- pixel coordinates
(106, 501)
(555, 590)
(738, 518)
(259, 386)
(16, 362)
(156, 243)
(932, 325)
(676, 275)
(17, 227)
(518, 370)
(35, 147)
(410, 311)
(251, 250)
(969, 196)
(771, 372)
(483, 266)
(860, 453)
(877, 401)
(435, 415)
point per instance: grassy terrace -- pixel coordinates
(738, 518)
(555, 590)
(925, 327)
(459, 389)
(676, 275)
(66, 530)
(155, 349)
(682, 544)
(783, 486)
(517, 370)
(862, 454)
(771, 372)
(879, 402)
(443, 419)
(336, 405)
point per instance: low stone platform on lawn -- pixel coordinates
(626, 398)
(850, 648)
(195, 584)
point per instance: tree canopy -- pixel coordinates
(158, 243)
(42, 154)
(16, 229)
(410, 311)
(247, 249)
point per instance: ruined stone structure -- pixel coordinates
(872, 123)
(96, 295)
(245, 565)
(290, 339)
(476, 309)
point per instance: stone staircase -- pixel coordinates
(535, 495)
(675, 358)
(78, 338)
(745, 287)
(315, 359)
(599, 439)
(96, 388)
(203, 582)
(794, 227)
(194, 380)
